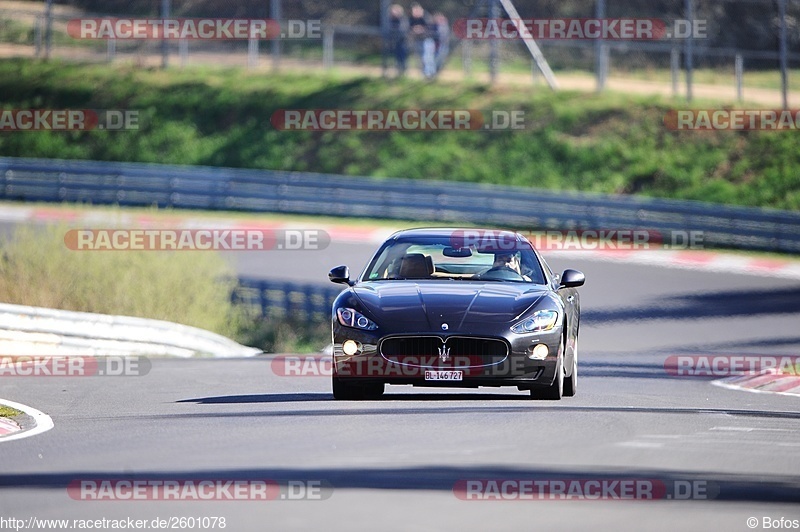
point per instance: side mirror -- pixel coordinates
(572, 279)
(340, 274)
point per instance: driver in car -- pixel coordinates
(508, 261)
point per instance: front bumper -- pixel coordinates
(368, 365)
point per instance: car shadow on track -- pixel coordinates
(521, 404)
(315, 397)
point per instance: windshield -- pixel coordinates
(432, 258)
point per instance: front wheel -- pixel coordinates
(571, 383)
(348, 392)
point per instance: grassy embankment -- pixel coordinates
(609, 143)
(189, 287)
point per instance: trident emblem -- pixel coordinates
(444, 353)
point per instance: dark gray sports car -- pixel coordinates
(458, 308)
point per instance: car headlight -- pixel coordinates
(352, 318)
(539, 321)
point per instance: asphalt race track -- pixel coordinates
(393, 464)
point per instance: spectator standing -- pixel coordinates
(397, 40)
(442, 39)
(422, 31)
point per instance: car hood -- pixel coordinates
(432, 303)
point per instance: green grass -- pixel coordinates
(24, 32)
(610, 143)
(15, 32)
(762, 79)
(288, 335)
(188, 287)
(192, 288)
(7, 411)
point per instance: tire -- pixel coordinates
(571, 383)
(348, 392)
(555, 391)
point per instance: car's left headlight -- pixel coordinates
(539, 321)
(352, 318)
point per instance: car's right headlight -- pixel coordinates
(352, 318)
(539, 321)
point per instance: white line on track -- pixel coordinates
(43, 421)
(731, 386)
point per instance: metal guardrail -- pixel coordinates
(183, 187)
(278, 299)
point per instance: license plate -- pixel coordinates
(444, 375)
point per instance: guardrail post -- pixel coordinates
(308, 303)
(263, 300)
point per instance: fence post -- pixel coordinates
(600, 50)
(604, 62)
(466, 57)
(276, 15)
(37, 34)
(783, 59)
(494, 58)
(252, 53)
(48, 28)
(327, 47)
(739, 73)
(674, 68)
(689, 48)
(111, 49)
(165, 9)
(385, 30)
(183, 51)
